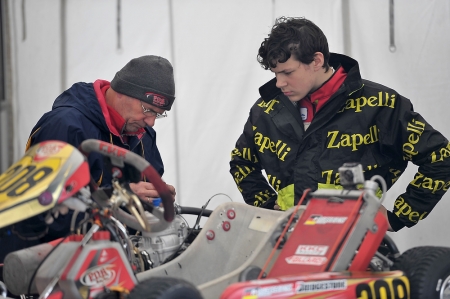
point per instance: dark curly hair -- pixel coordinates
(293, 36)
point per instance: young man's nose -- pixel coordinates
(280, 82)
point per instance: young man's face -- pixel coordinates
(295, 79)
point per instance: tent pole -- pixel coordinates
(346, 27)
(63, 45)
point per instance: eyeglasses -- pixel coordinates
(150, 112)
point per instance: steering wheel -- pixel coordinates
(119, 156)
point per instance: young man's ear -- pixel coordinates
(318, 60)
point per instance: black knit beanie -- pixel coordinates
(148, 78)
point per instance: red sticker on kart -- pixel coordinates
(306, 260)
(311, 250)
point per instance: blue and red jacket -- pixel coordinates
(81, 113)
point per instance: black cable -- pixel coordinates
(194, 211)
(390, 244)
(197, 222)
(109, 225)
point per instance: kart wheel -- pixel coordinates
(108, 295)
(164, 288)
(428, 271)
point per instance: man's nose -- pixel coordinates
(280, 82)
(150, 120)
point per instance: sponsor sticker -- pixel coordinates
(319, 219)
(311, 250)
(306, 260)
(261, 292)
(48, 149)
(98, 276)
(317, 286)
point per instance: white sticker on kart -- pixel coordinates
(317, 286)
(306, 260)
(311, 250)
(319, 219)
(276, 290)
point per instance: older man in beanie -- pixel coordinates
(122, 113)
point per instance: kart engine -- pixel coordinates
(150, 250)
(153, 249)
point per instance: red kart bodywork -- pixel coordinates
(335, 285)
(327, 256)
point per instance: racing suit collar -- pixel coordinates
(324, 92)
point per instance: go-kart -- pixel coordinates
(99, 257)
(333, 244)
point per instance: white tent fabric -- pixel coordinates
(213, 45)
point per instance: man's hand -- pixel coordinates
(276, 206)
(383, 210)
(146, 191)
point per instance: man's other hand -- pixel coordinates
(146, 191)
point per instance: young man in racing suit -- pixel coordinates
(317, 114)
(121, 112)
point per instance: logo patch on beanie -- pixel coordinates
(156, 99)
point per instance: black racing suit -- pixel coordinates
(362, 122)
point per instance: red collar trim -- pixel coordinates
(114, 120)
(323, 94)
(100, 87)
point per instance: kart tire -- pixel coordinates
(108, 295)
(164, 288)
(428, 271)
